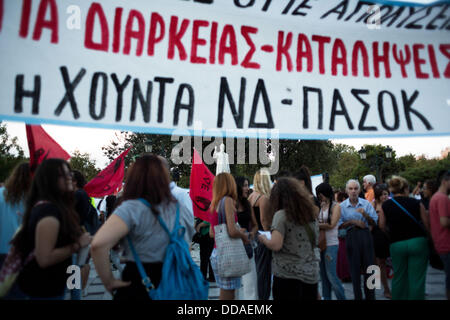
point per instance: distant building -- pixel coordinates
(444, 153)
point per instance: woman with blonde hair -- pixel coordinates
(225, 196)
(259, 199)
(408, 225)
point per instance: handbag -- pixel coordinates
(232, 259)
(435, 260)
(322, 245)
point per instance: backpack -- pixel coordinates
(92, 223)
(181, 277)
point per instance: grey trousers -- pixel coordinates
(360, 255)
(263, 260)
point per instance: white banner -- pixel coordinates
(302, 68)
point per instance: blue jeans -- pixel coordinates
(330, 280)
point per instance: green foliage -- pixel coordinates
(424, 169)
(83, 163)
(10, 153)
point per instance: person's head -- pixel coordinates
(262, 182)
(324, 192)
(148, 178)
(223, 186)
(304, 176)
(429, 188)
(444, 180)
(242, 185)
(369, 181)
(52, 182)
(398, 185)
(381, 192)
(18, 183)
(290, 195)
(79, 181)
(341, 196)
(353, 188)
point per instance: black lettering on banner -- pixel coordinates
(358, 7)
(441, 15)
(340, 9)
(261, 91)
(394, 16)
(266, 5)
(412, 12)
(93, 95)
(21, 93)
(343, 112)
(297, 12)
(407, 103)
(188, 106)
(225, 93)
(412, 24)
(162, 92)
(361, 127)
(120, 88)
(288, 7)
(70, 88)
(144, 102)
(249, 3)
(306, 90)
(381, 111)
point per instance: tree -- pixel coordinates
(345, 169)
(10, 153)
(425, 169)
(83, 163)
(376, 163)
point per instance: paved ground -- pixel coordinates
(435, 286)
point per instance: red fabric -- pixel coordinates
(342, 267)
(109, 179)
(440, 207)
(200, 191)
(42, 146)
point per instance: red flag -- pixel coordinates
(42, 146)
(109, 179)
(201, 185)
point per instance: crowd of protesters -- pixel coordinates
(294, 237)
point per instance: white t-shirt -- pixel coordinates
(332, 234)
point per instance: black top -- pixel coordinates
(244, 218)
(51, 281)
(400, 225)
(82, 205)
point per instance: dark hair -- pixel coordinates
(304, 175)
(432, 186)
(342, 196)
(327, 191)
(241, 200)
(148, 178)
(290, 195)
(443, 175)
(17, 184)
(378, 189)
(45, 186)
(79, 179)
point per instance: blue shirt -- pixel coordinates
(348, 211)
(10, 220)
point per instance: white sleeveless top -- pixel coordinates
(332, 234)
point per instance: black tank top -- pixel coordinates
(244, 219)
(258, 215)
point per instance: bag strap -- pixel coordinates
(409, 214)
(257, 198)
(221, 212)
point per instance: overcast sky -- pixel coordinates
(91, 141)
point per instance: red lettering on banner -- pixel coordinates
(96, 10)
(51, 24)
(304, 51)
(175, 38)
(196, 41)
(25, 20)
(212, 43)
(384, 58)
(228, 32)
(321, 41)
(401, 60)
(283, 50)
(418, 61)
(117, 26)
(139, 34)
(433, 62)
(445, 50)
(360, 47)
(336, 59)
(247, 63)
(153, 39)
